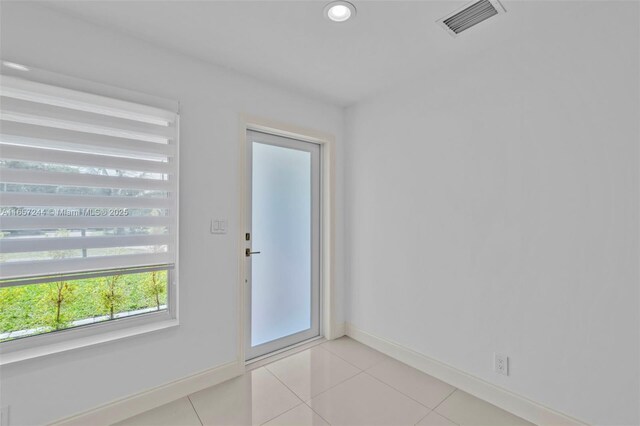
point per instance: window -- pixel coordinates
(88, 209)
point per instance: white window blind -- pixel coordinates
(88, 184)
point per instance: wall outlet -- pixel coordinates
(501, 364)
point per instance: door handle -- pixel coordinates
(248, 252)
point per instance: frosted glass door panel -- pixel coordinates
(281, 288)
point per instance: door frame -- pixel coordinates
(315, 162)
(326, 141)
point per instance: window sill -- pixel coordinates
(75, 339)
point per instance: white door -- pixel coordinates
(282, 243)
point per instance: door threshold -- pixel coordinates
(265, 359)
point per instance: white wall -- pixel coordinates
(493, 207)
(211, 98)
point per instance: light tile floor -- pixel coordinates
(340, 382)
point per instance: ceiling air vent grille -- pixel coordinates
(470, 15)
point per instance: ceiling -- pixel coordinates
(291, 44)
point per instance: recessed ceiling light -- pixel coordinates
(15, 66)
(339, 11)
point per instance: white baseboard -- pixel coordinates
(338, 331)
(500, 397)
(139, 403)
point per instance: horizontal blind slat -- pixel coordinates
(84, 118)
(20, 269)
(53, 156)
(55, 123)
(38, 92)
(18, 199)
(22, 245)
(82, 222)
(24, 134)
(81, 180)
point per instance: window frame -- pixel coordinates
(86, 335)
(45, 344)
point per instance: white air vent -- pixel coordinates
(470, 15)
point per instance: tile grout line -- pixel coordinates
(310, 398)
(355, 375)
(291, 390)
(266, 367)
(195, 411)
(448, 396)
(433, 410)
(321, 345)
(437, 414)
(319, 415)
(350, 363)
(336, 385)
(360, 370)
(422, 418)
(442, 415)
(404, 394)
(327, 390)
(480, 399)
(283, 384)
(335, 354)
(366, 370)
(295, 406)
(397, 390)
(380, 362)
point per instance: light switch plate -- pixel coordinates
(219, 226)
